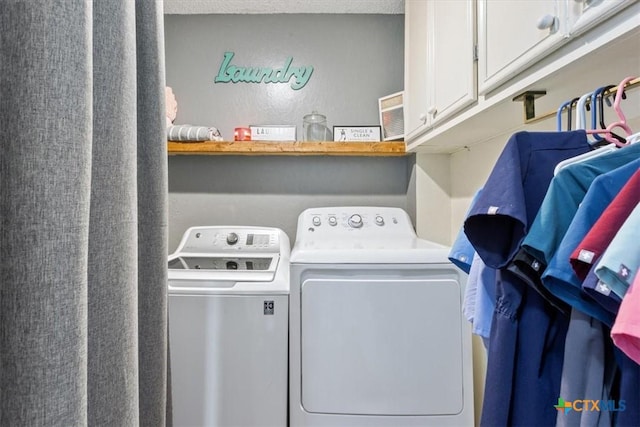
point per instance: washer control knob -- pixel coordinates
(333, 221)
(379, 220)
(355, 221)
(232, 238)
(316, 221)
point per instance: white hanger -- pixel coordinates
(584, 156)
(581, 118)
(632, 139)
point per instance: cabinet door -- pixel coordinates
(450, 59)
(584, 14)
(415, 67)
(514, 34)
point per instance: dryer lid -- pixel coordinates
(416, 251)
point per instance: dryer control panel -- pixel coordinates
(363, 221)
(361, 234)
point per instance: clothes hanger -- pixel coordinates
(594, 111)
(601, 101)
(568, 105)
(581, 124)
(559, 115)
(621, 122)
(573, 102)
(581, 107)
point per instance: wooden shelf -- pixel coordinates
(262, 148)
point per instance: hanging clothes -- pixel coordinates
(618, 265)
(626, 330)
(559, 277)
(587, 371)
(479, 297)
(527, 336)
(589, 250)
(546, 334)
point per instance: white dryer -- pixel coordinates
(377, 335)
(228, 297)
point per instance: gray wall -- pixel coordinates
(356, 59)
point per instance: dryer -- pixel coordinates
(228, 304)
(377, 335)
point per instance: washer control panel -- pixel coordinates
(362, 220)
(223, 239)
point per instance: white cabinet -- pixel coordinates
(564, 47)
(584, 14)
(415, 68)
(440, 75)
(450, 58)
(514, 34)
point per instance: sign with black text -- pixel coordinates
(356, 133)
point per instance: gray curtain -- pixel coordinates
(83, 213)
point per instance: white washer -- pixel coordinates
(228, 297)
(377, 335)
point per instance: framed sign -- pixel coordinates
(356, 133)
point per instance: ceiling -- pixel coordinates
(283, 6)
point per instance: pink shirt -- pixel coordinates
(626, 328)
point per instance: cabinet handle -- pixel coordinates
(432, 110)
(423, 118)
(548, 21)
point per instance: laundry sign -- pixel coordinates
(296, 76)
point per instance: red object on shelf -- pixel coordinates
(242, 134)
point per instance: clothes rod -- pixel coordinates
(529, 97)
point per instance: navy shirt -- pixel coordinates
(502, 215)
(527, 335)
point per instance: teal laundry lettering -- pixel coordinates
(298, 77)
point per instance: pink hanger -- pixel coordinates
(622, 122)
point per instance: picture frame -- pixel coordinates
(371, 133)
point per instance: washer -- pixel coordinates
(377, 335)
(228, 297)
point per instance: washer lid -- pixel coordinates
(205, 268)
(217, 263)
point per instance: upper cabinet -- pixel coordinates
(584, 14)
(440, 55)
(450, 58)
(465, 62)
(514, 34)
(415, 68)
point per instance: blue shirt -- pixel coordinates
(526, 339)
(566, 191)
(619, 263)
(559, 277)
(512, 195)
(600, 292)
(461, 253)
(479, 307)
